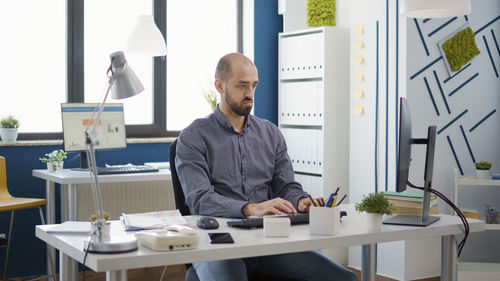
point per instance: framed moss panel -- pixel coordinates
(458, 48)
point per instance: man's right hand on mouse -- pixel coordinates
(274, 206)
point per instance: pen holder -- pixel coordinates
(324, 221)
(492, 217)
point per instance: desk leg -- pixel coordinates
(68, 268)
(117, 275)
(369, 262)
(50, 218)
(72, 202)
(448, 258)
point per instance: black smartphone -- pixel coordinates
(220, 237)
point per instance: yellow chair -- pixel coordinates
(11, 203)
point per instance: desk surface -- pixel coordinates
(68, 176)
(249, 243)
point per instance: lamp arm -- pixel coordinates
(90, 151)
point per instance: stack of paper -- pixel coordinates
(409, 203)
(152, 220)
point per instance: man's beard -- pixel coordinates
(240, 109)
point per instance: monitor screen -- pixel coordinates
(405, 142)
(110, 130)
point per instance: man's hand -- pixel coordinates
(305, 203)
(275, 206)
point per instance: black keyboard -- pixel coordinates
(126, 170)
(259, 222)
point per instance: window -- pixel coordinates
(33, 63)
(194, 48)
(74, 39)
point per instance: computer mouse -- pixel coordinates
(207, 223)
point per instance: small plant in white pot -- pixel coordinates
(376, 205)
(54, 160)
(483, 170)
(8, 129)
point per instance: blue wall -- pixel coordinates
(267, 26)
(27, 256)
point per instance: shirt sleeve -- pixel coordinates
(194, 175)
(284, 184)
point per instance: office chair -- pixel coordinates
(11, 203)
(180, 203)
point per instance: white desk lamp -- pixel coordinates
(123, 83)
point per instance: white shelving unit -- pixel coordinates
(472, 270)
(314, 106)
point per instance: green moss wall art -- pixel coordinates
(460, 49)
(320, 12)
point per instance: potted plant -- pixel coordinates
(376, 205)
(105, 225)
(54, 160)
(211, 98)
(483, 170)
(8, 129)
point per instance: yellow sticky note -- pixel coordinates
(360, 76)
(360, 44)
(359, 109)
(360, 29)
(359, 59)
(359, 93)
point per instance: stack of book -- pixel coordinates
(409, 203)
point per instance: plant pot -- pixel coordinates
(55, 166)
(483, 174)
(374, 221)
(8, 134)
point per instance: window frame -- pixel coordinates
(75, 71)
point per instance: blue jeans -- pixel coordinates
(310, 266)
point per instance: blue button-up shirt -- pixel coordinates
(221, 170)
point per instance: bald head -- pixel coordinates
(223, 70)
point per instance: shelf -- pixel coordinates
(473, 181)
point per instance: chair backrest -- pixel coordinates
(4, 191)
(180, 200)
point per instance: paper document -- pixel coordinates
(71, 227)
(152, 220)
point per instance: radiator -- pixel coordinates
(126, 197)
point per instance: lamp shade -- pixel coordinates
(146, 38)
(435, 8)
(124, 81)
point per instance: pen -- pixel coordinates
(334, 200)
(336, 191)
(343, 197)
(312, 200)
(329, 201)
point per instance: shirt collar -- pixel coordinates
(226, 124)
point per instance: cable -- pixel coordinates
(457, 211)
(87, 252)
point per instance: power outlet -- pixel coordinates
(3, 240)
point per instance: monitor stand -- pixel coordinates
(84, 167)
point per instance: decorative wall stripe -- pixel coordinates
(452, 121)
(430, 95)
(421, 37)
(486, 25)
(442, 26)
(396, 101)
(442, 93)
(489, 54)
(455, 155)
(376, 110)
(467, 143)
(482, 120)
(463, 84)
(451, 77)
(495, 40)
(386, 91)
(425, 68)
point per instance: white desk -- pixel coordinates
(249, 243)
(69, 180)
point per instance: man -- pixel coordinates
(230, 162)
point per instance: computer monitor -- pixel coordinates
(403, 167)
(110, 130)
